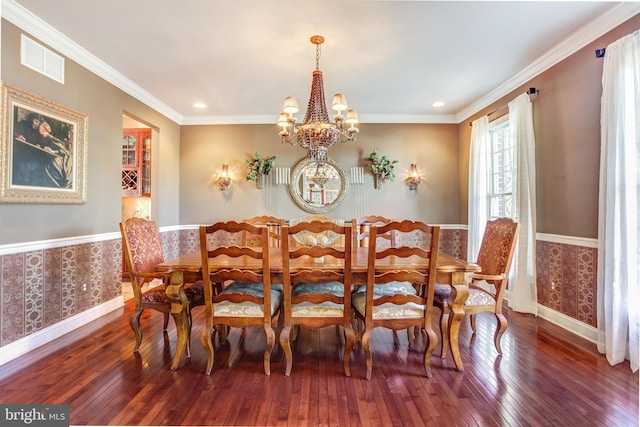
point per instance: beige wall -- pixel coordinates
(104, 104)
(567, 129)
(433, 147)
(39, 290)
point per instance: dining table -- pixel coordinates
(450, 270)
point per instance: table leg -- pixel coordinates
(457, 299)
(179, 305)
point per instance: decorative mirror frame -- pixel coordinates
(301, 202)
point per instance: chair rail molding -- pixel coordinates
(13, 248)
(568, 240)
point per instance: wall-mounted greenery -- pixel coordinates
(259, 167)
(381, 168)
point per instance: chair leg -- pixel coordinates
(432, 341)
(166, 322)
(190, 323)
(285, 343)
(366, 346)
(411, 333)
(224, 332)
(358, 328)
(500, 328)
(206, 338)
(134, 322)
(350, 340)
(444, 331)
(271, 340)
(472, 320)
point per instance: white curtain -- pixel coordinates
(522, 294)
(479, 161)
(618, 296)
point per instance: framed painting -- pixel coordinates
(44, 150)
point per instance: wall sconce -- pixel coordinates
(413, 177)
(224, 179)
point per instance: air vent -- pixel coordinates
(41, 59)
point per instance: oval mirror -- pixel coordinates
(318, 186)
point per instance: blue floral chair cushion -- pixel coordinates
(326, 309)
(388, 310)
(247, 309)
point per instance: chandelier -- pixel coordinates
(317, 134)
(320, 177)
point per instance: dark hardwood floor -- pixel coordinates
(546, 377)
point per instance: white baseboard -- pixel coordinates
(44, 336)
(570, 324)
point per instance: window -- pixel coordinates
(501, 170)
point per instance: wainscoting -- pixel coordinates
(49, 288)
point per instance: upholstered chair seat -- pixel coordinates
(476, 297)
(247, 308)
(157, 294)
(388, 310)
(322, 309)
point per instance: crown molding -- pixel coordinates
(271, 120)
(27, 21)
(408, 118)
(579, 39)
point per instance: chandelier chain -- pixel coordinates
(317, 56)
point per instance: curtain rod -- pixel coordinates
(530, 91)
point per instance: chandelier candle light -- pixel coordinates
(317, 134)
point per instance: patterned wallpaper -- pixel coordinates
(566, 279)
(40, 288)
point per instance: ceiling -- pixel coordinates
(391, 59)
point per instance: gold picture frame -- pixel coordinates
(44, 150)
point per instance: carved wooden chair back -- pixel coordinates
(249, 299)
(274, 225)
(310, 218)
(321, 295)
(487, 288)
(390, 298)
(361, 234)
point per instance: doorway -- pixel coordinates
(136, 179)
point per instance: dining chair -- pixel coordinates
(143, 251)
(361, 233)
(487, 288)
(318, 296)
(249, 299)
(391, 299)
(274, 226)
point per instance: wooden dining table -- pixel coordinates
(450, 270)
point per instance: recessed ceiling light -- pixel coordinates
(438, 104)
(200, 105)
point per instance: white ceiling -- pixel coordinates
(391, 59)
